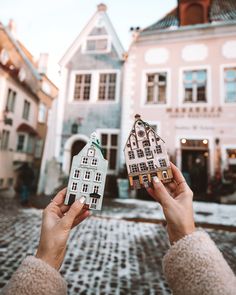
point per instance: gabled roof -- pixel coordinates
(86, 31)
(220, 11)
(138, 118)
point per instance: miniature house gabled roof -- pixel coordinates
(138, 118)
(99, 14)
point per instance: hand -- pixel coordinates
(58, 220)
(176, 201)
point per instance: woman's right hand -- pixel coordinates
(176, 201)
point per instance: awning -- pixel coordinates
(95, 195)
(27, 129)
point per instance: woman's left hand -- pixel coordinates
(58, 220)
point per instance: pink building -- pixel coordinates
(180, 75)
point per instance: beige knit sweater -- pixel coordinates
(192, 266)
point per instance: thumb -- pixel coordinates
(73, 212)
(160, 192)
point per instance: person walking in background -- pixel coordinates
(192, 266)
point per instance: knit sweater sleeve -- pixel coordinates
(195, 266)
(35, 277)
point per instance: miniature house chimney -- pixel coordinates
(43, 63)
(102, 7)
(137, 117)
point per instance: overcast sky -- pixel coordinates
(52, 25)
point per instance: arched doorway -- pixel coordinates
(77, 146)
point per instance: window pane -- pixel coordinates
(188, 97)
(162, 77)
(112, 78)
(188, 76)
(150, 78)
(104, 139)
(114, 139)
(230, 74)
(162, 94)
(112, 161)
(201, 76)
(111, 92)
(150, 93)
(201, 94)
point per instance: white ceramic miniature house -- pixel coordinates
(88, 175)
(146, 156)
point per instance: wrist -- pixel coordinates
(47, 259)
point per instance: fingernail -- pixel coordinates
(156, 179)
(82, 200)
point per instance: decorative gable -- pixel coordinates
(146, 156)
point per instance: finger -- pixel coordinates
(171, 186)
(81, 218)
(151, 192)
(178, 177)
(73, 212)
(160, 192)
(60, 197)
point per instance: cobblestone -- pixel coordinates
(104, 256)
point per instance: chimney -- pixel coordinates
(12, 27)
(102, 7)
(43, 63)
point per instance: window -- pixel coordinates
(164, 174)
(1, 182)
(148, 152)
(156, 88)
(94, 162)
(230, 85)
(5, 139)
(94, 201)
(9, 182)
(151, 165)
(85, 160)
(131, 155)
(76, 173)
(91, 152)
(195, 86)
(140, 153)
(133, 168)
(26, 110)
(82, 87)
(145, 178)
(107, 87)
(30, 144)
(146, 143)
(98, 177)
(42, 113)
(11, 99)
(158, 149)
(109, 144)
(84, 188)
(96, 45)
(162, 162)
(20, 143)
(38, 148)
(143, 166)
(74, 186)
(96, 189)
(87, 175)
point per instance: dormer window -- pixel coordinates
(91, 152)
(97, 44)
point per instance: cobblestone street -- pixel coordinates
(105, 256)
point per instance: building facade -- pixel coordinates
(90, 92)
(180, 75)
(22, 96)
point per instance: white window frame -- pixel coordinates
(96, 186)
(72, 185)
(97, 37)
(181, 102)
(222, 85)
(82, 187)
(42, 113)
(94, 86)
(74, 172)
(28, 103)
(82, 161)
(111, 131)
(25, 144)
(94, 159)
(87, 173)
(96, 175)
(144, 73)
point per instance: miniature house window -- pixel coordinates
(230, 85)
(143, 166)
(82, 87)
(133, 168)
(96, 189)
(107, 87)
(151, 165)
(87, 175)
(164, 174)
(158, 149)
(162, 162)
(156, 88)
(76, 173)
(140, 153)
(98, 177)
(74, 186)
(195, 85)
(131, 155)
(84, 188)
(94, 162)
(94, 200)
(85, 160)
(145, 178)
(146, 143)
(91, 152)
(148, 152)
(141, 133)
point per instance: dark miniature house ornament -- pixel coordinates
(88, 175)
(146, 156)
